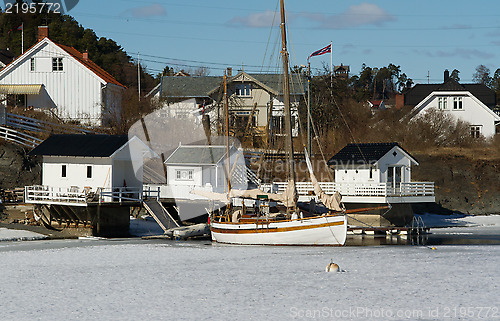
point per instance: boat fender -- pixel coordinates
(332, 267)
(294, 216)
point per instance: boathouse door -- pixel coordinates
(394, 178)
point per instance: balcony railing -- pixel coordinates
(360, 189)
(40, 194)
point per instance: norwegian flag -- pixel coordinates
(18, 28)
(322, 51)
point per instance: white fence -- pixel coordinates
(360, 189)
(19, 137)
(39, 194)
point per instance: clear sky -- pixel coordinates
(420, 36)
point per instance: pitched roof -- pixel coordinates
(103, 74)
(368, 153)
(80, 145)
(275, 81)
(418, 92)
(202, 87)
(197, 155)
(190, 87)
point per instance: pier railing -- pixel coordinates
(40, 194)
(360, 189)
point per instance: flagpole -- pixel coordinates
(331, 62)
(22, 38)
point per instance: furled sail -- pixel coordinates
(332, 202)
(287, 197)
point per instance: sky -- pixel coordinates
(423, 37)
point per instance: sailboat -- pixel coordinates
(279, 219)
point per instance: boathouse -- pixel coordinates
(203, 168)
(90, 180)
(368, 175)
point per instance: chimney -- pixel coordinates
(229, 71)
(446, 75)
(43, 32)
(86, 55)
(400, 101)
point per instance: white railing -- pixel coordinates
(40, 194)
(19, 137)
(360, 189)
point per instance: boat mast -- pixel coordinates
(228, 158)
(286, 100)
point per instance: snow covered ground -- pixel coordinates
(19, 235)
(133, 279)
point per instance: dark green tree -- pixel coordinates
(482, 75)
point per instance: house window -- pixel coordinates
(63, 171)
(184, 175)
(475, 131)
(371, 173)
(243, 90)
(32, 64)
(89, 171)
(457, 103)
(57, 64)
(442, 103)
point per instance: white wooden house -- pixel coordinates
(368, 175)
(60, 80)
(372, 173)
(203, 167)
(74, 165)
(471, 103)
(373, 163)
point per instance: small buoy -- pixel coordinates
(332, 267)
(433, 248)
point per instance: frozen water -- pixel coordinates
(153, 280)
(132, 279)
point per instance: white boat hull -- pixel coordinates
(319, 230)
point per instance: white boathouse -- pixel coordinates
(372, 175)
(76, 167)
(203, 167)
(89, 181)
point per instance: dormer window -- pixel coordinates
(57, 64)
(244, 90)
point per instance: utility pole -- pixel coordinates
(139, 76)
